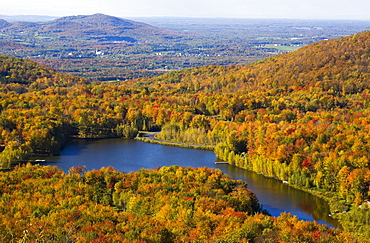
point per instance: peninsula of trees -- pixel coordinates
(171, 204)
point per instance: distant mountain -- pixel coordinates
(97, 27)
(89, 37)
(3, 23)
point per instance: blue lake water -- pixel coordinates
(132, 155)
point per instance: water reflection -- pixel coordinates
(127, 155)
(132, 155)
(277, 197)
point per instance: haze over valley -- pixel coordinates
(103, 47)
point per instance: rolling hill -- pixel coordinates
(95, 28)
(4, 23)
(75, 44)
(15, 70)
(340, 66)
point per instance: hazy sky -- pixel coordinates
(299, 9)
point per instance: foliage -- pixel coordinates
(126, 131)
(170, 204)
(15, 70)
(301, 117)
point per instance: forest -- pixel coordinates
(170, 204)
(300, 117)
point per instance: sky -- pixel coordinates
(273, 9)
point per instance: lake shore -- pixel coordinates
(150, 137)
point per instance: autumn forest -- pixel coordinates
(301, 117)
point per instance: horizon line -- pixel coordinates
(187, 17)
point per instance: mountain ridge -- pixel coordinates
(88, 26)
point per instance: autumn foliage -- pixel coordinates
(301, 117)
(170, 204)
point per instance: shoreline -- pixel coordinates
(149, 137)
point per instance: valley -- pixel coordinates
(111, 48)
(298, 113)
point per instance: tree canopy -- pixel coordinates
(301, 117)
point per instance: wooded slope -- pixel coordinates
(170, 204)
(302, 117)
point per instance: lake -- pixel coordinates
(132, 155)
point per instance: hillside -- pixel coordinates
(339, 64)
(301, 117)
(15, 70)
(3, 23)
(94, 28)
(98, 47)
